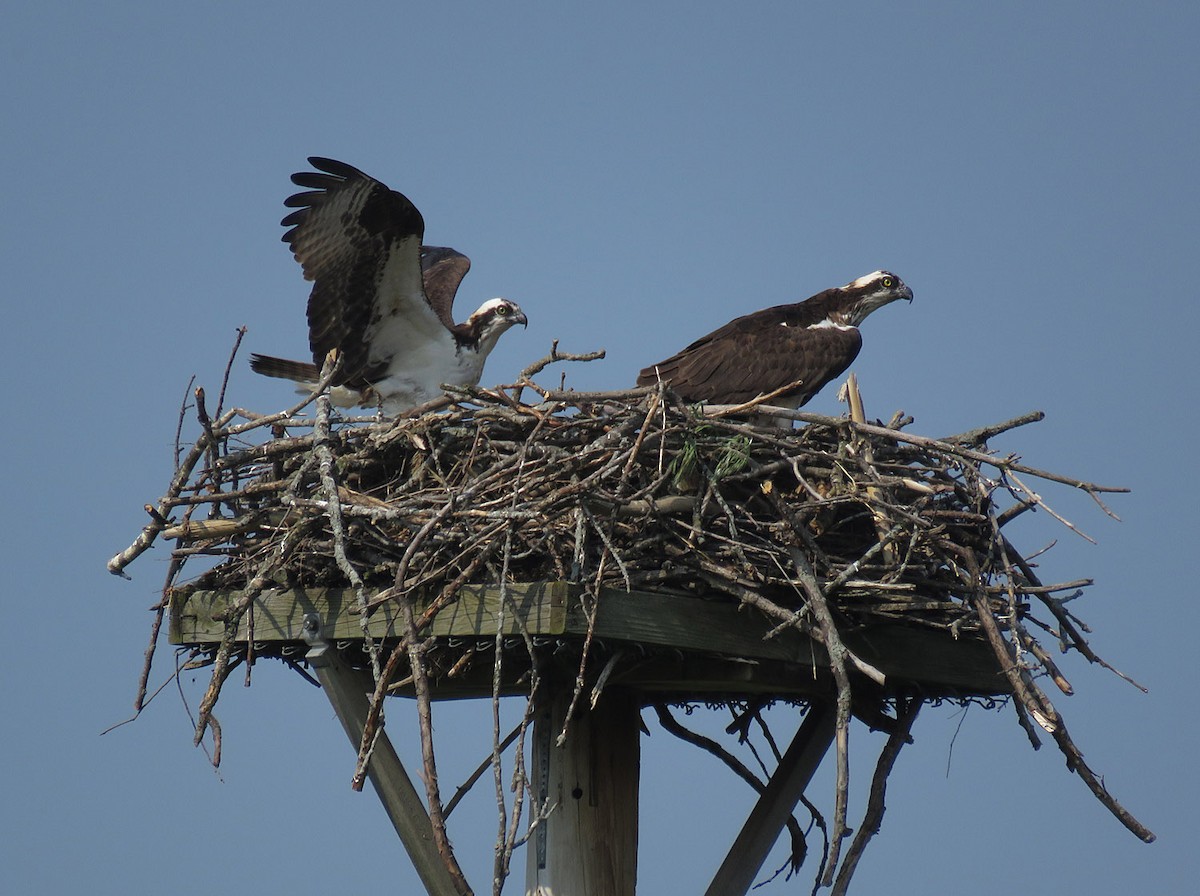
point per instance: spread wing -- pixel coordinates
(444, 270)
(757, 354)
(359, 242)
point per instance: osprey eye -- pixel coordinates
(888, 282)
(503, 310)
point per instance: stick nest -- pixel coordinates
(835, 525)
(630, 490)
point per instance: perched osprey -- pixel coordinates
(812, 342)
(379, 297)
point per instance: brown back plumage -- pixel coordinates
(812, 342)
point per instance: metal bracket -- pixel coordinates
(317, 645)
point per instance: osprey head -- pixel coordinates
(491, 319)
(864, 295)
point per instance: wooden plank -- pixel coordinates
(689, 623)
(667, 676)
(691, 626)
(546, 608)
(196, 618)
(587, 846)
(347, 691)
(778, 799)
(905, 653)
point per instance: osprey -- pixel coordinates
(810, 342)
(379, 297)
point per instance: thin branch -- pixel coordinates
(323, 448)
(838, 658)
(672, 726)
(983, 434)
(906, 714)
(437, 818)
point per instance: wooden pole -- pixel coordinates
(347, 691)
(770, 813)
(587, 846)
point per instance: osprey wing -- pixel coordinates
(755, 355)
(359, 242)
(443, 269)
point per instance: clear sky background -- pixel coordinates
(634, 175)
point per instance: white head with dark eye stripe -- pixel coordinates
(873, 291)
(491, 319)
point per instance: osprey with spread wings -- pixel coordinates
(379, 297)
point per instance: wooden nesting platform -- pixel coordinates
(673, 646)
(620, 550)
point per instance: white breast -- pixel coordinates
(417, 377)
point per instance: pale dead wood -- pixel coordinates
(906, 714)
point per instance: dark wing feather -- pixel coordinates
(757, 354)
(444, 269)
(359, 242)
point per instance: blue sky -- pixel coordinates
(634, 176)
